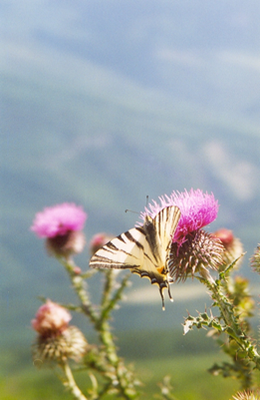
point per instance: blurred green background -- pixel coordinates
(102, 103)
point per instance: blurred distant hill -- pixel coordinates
(105, 102)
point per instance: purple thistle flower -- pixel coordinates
(59, 220)
(61, 225)
(197, 209)
(193, 249)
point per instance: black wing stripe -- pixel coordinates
(120, 237)
(110, 246)
(175, 220)
(102, 262)
(140, 229)
(152, 261)
(159, 225)
(132, 239)
(114, 249)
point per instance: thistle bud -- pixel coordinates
(98, 241)
(56, 340)
(65, 245)
(233, 248)
(199, 252)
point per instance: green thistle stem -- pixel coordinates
(122, 379)
(232, 328)
(70, 383)
(79, 286)
(102, 326)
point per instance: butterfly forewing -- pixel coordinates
(166, 222)
(124, 251)
(144, 250)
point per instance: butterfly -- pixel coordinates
(144, 249)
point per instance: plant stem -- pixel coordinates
(232, 327)
(124, 382)
(122, 379)
(70, 383)
(79, 285)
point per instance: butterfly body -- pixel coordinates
(144, 249)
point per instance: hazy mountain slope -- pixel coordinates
(103, 117)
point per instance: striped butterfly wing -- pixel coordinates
(144, 250)
(124, 251)
(165, 223)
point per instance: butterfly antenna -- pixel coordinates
(147, 200)
(132, 211)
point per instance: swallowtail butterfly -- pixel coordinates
(144, 249)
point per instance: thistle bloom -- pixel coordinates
(51, 319)
(197, 209)
(56, 340)
(61, 225)
(193, 249)
(59, 220)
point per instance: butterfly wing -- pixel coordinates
(142, 249)
(165, 223)
(124, 251)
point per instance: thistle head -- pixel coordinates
(193, 249)
(56, 340)
(51, 319)
(199, 252)
(61, 226)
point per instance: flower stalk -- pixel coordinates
(79, 286)
(121, 379)
(231, 326)
(70, 384)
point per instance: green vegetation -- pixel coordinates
(189, 377)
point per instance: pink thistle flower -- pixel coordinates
(197, 209)
(51, 319)
(59, 220)
(193, 249)
(61, 225)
